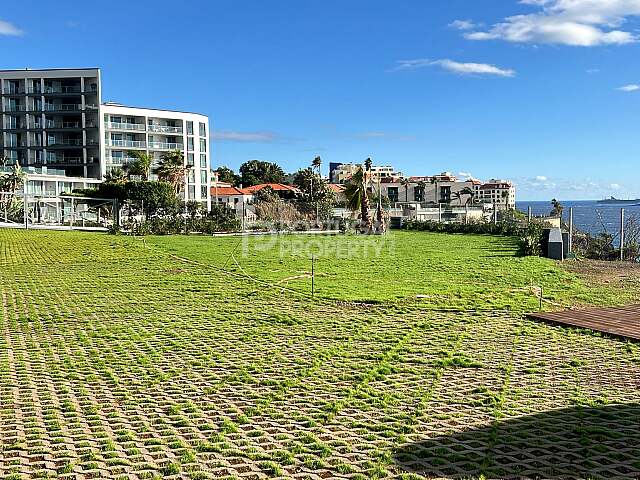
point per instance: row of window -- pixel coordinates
(202, 127)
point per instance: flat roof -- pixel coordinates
(116, 104)
(27, 69)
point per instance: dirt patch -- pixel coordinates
(595, 272)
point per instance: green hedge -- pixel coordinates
(528, 236)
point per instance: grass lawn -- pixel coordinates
(434, 270)
(125, 361)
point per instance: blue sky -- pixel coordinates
(545, 92)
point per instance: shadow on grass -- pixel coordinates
(578, 442)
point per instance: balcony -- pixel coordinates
(65, 142)
(119, 160)
(62, 89)
(164, 129)
(13, 91)
(128, 143)
(16, 108)
(65, 161)
(66, 107)
(165, 146)
(125, 126)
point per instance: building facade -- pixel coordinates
(53, 123)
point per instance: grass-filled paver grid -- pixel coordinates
(119, 361)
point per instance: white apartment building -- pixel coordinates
(131, 129)
(54, 124)
(340, 173)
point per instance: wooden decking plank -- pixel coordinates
(621, 322)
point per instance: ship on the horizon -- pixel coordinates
(617, 201)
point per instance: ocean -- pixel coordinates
(588, 216)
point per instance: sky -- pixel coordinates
(543, 92)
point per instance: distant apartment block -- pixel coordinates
(54, 124)
(340, 173)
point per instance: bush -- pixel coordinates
(157, 197)
(529, 237)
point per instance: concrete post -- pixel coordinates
(529, 214)
(439, 212)
(622, 234)
(571, 230)
(25, 204)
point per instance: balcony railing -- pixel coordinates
(56, 142)
(16, 108)
(126, 126)
(165, 146)
(62, 107)
(13, 91)
(128, 143)
(65, 160)
(164, 129)
(119, 160)
(63, 89)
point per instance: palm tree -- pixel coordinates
(405, 183)
(172, 169)
(317, 164)
(358, 198)
(116, 175)
(460, 193)
(141, 165)
(10, 183)
(434, 181)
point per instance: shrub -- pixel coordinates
(529, 237)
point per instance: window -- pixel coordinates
(203, 145)
(192, 176)
(418, 194)
(203, 161)
(203, 191)
(190, 144)
(392, 193)
(203, 176)
(116, 119)
(190, 160)
(203, 129)
(192, 192)
(189, 128)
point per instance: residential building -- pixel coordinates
(130, 129)
(287, 192)
(54, 124)
(227, 194)
(501, 193)
(341, 173)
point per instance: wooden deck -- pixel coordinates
(622, 322)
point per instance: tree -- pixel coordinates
(226, 175)
(256, 172)
(141, 165)
(315, 191)
(357, 195)
(10, 182)
(172, 170)
(420, 189)
(115, 176)
(405, 183)
(461, 193)
(557, 208)
(434, 181)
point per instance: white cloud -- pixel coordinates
(465, 174)
(244, 137)
(541, 178)
(9, 29)
(615, 186)
(584, 23)
(593, 71)
(630, 88)
(463, 25)
(455, 67)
